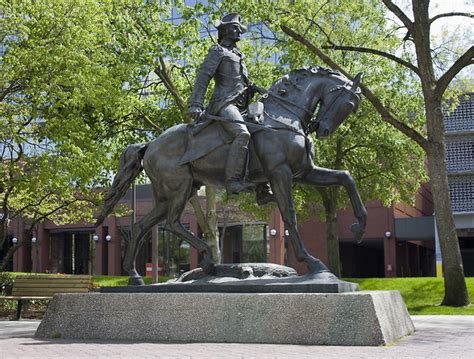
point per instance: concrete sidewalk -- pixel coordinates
(435, 337)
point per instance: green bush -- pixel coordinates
(6, 283)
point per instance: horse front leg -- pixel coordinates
(323, 177)
(281, 183)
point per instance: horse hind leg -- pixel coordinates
(176, 208)
(138, 236)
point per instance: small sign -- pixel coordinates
(149, 269)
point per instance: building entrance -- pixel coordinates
(71, 253)
(245, 244)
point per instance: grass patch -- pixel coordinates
(422, 296)
(116, 281)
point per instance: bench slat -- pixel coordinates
(39, 276)
(31, 283)
(36, 292)
(53, 285)
(30, 297)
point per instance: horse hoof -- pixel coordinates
(326, 276)
(358, 230)
(316, 266)
(208, 267)
(135, 279)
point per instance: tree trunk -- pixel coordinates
(455, 293)
(8, 256)
(211, 234)
(332, 237)
(455, 289)
(3, 229)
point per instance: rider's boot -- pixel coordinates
(264, 194)
(235, 166)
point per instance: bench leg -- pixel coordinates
(18, 309)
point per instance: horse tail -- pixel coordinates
(129, 167)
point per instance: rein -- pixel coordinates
(286, 102)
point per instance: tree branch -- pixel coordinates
(465, 60)
(164, 76)
(448, 14)
(31, 205)
(399, 13)
(13, 87)
(149, 121)
(200, 216)
(62, 206)
(375, 52)
(374, 100)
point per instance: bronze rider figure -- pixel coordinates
(232, 93)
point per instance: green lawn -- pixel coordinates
(111, 281)
(422, 296)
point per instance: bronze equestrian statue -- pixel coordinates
(185, 157)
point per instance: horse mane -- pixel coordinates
(289, 80)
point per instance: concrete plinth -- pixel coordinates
(359, 318)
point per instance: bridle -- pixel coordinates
(341, 89)
(312, 123)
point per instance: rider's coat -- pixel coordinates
(226, 65)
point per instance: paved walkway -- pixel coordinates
(435, 337)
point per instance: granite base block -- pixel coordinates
(358, 318)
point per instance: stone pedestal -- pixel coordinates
(359, 318)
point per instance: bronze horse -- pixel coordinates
(281, 154)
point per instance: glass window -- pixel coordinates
(254, 246)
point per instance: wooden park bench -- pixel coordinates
(43, 287)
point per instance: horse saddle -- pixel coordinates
(203, 137)
(207, 135)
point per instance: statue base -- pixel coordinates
(356, 318)
(245, 278)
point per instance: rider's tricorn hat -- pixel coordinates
(233, 18)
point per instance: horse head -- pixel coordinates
(339, 99)
(299, 93)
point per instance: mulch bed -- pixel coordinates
(32, 311)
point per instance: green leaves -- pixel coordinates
(58, 80)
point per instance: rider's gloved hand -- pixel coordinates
(195, 112)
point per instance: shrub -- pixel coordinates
(6, 283)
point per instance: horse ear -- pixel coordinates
(356, 81)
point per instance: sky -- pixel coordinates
(454, 33)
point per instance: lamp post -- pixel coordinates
(389, 267)
(34, 242)
(15, 242)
